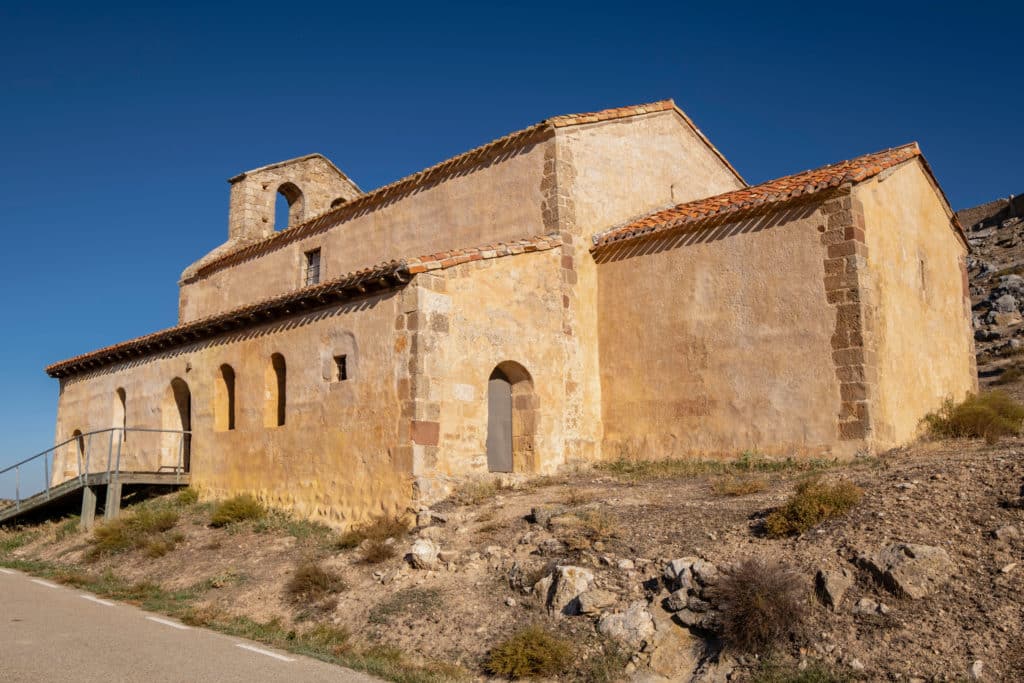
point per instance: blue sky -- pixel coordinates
(121, 124)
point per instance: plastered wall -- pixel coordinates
(471, 319)
(608, 173)
(921, 310)
(334, 459)
(719, 341)
(497, 200)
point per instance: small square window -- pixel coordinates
(312, 267)
(341, 368)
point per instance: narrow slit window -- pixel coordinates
(341, 366)
(312, 267)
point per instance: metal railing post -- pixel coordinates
(110, 452)
(82, 443)
(88, 447)
(181, 454)
(119, 442)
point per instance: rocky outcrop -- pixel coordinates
(424, 554)
(633, 627)
(561, 590)
(830, 586)
(909, 569)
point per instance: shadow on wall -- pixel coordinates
(711, 230)
(422, 181)
(235, 337)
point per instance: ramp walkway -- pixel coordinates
(101, 471)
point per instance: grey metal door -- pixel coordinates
(499, 423)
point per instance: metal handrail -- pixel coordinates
(113, 466)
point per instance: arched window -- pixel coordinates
(276, 393)
(338, 202)
(120, 418)
(290, 206)
(79, 451)
(176, 417)
(224, 400)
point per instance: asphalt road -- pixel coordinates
(52, 633)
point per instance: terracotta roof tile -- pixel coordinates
(374, 198)
(772, 192)
(358, 283)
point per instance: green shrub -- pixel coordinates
(333, 639)
(760, 603)
(238, 509)
(311, 583)
(813, 502)
(530, 652)
(732, 485)
(144, 528)
(988, 416)
(69, 527)
(747, 462)
(188, 497)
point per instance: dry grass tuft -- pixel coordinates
(761, 604)
(238, 509)
(380, 529)
(407, 602)
(815, 672)
(144, 528)
(575, 497)
(738, 486)
(478, 491)
(528, 653)
(813, 502)
(312, 583)
(372, 539)
(1009, 376)
(333, 639)
(188, 497)
(988, 416)
(747, 462)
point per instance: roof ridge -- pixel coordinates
(369, 199)
(770, 192)
(378, 277)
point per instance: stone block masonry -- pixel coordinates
(846, 254)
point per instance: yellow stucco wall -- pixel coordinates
(718, 341)
(334, 459)
(921, 323)
(610, 172)
(497, 201)
(502, 310)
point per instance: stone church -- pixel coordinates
(593, 287)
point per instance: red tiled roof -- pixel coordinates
(773, 192)
(374, 198)
(355, 284)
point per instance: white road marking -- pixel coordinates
(7, 571)
(92, 598)
(261, 651)
(45, 583)
(172, 624)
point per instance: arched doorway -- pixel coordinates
(177, 417)
(511, 419)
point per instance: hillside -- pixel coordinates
(627, 530)
(995, 232)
